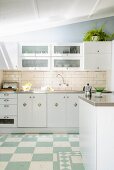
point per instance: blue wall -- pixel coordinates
(67, 33)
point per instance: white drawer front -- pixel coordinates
(8, 95)
(8, 109)
(8, 121)
(8, 101)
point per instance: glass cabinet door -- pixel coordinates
(35, 50)
(66, 64)
(67, 50)
(38, 64)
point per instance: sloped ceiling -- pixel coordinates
(27, 15)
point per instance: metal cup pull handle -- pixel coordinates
(56, 104)
(75, 104)
(39, 104)
(24, 104)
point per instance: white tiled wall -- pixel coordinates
(76, 80)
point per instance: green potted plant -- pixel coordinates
(98, 34)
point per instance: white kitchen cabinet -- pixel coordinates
(34, 63)
(62, 110)
(8, 55)
(56, 116)
(65, 50)
(34, 56)
(96, 124)
(34, 49)
(31, 110)
(72, 112)
(67, 63)
(97, 55)
(8, 110)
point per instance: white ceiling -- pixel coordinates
(28, 15)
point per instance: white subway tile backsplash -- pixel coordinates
(75, 79)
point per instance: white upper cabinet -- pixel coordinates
(8, 55)
(67, 56)
(34, 56)
(97, 55)
(72, 49)
(34, 49)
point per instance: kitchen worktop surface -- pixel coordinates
(105, 100)
(47, 92)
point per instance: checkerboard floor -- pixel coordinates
(40, 152)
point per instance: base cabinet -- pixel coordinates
(96, 125)
(62, 110)
(31, 110)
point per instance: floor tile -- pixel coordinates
(41, 166)
(61, 144)
(10, 144)
(21, 157)
(27, 144)
(7, 150)
(3, 165)
(77, 167)
(62, 149)
(42, 157)
(5, 157)
(74, 144)
(18, 166)
(76, 159)
(13, 139)
(43, 150)
(24, 150)
(44, 144)
(40, 152)
(29, 139)
(42, 139)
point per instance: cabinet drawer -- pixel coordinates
(8, 101)
(8, 109)
(8, 95)
(97, 48)
(8, 121)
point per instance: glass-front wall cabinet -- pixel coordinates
(35, 56)
(66, 63)
(35, 50)
(67, 50)
(35, 63)
(51, 57)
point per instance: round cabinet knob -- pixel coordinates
(64, 97)
(39, 104)
(98, 51)
(67, 97)
(30, 97)
(33, 96)
(56, 104)
(24, 104)
(75, 104)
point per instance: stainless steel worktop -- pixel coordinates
(105, 100)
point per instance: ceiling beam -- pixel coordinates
(94, 8)
(36, 8)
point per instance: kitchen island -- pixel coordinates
(96, 127)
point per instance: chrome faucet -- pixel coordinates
(59, 75)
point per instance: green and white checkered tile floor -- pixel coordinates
(40, 152)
